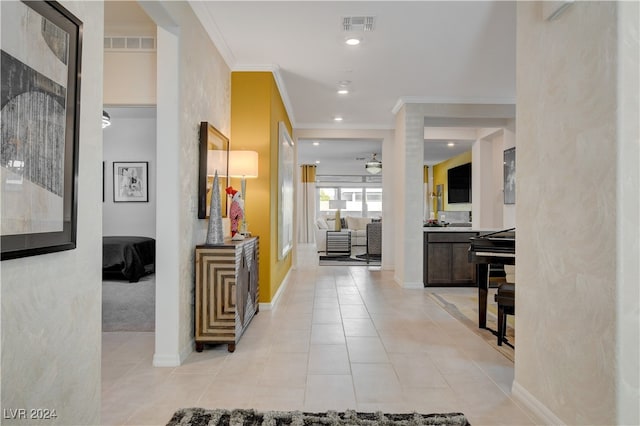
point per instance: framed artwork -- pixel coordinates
(214, 156)
(40, 121)
(130, 182)
(510, 176)
(285, 197)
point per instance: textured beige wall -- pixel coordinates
(51, 325)
(566, 210)
(205, 95)
(129, 78)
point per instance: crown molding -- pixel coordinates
(209, 24)
(402, 101)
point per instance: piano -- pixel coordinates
(496, 248)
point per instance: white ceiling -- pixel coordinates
(419, 51)
(437, 51)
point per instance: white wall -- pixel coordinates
(566, 211)
(129, 78)
(628, 215)
(51, 325)
(191, 88)
(131, 137)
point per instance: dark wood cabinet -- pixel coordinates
(446, 259)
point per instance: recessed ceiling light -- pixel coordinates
(343, 91)
(352, 41)
(317, 161)
(451, 144)
(337, 118)
(316, 143)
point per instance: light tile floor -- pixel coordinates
(340, 337)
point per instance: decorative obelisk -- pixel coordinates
(215, 235)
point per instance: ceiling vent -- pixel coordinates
(358, 23)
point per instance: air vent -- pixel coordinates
(128, 43)
(358, 23)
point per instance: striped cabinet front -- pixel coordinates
(227, 291)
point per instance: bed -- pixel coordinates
(131, 257)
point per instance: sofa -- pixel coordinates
(356, 225)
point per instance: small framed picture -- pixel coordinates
(130, 181)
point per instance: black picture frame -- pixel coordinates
(211, 139)
(130, 181)
(40, 107)
(509, 175)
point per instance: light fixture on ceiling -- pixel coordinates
(106, 119)
(353, 41)
(373, 166)
(316, 143)
(317, 161)
(337, 118)
(451, 144)
(344, 87)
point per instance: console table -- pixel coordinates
(227, 291)
(338, 243)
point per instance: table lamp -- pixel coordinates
(243, 164)
(338, 204)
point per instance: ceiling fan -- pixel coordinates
(373, 166)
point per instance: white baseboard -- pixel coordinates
(534, 405)
(166, 360)
(160, 360)
(274, 302)
(419, 285)
(408, 284)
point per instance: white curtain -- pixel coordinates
(307, 205)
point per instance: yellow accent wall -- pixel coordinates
(256, 109)
(440, 178)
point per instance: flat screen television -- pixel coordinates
(459, 184)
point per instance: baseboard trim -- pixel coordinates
(274, 302)
(408, 284)
(532, 403)
(160, 360)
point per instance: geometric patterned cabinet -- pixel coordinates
(227, 291)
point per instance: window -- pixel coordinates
(361, 201)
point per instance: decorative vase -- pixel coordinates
(215, 234)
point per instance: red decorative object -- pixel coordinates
(236, 212)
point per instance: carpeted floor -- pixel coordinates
(201, 417)
(462, 304)
(129, 306)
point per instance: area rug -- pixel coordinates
(352, 260)
(462, 304)
(202, 417)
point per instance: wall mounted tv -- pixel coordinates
(459, 184)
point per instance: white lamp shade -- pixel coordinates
(216, 160)
(243, 164)
(337, 204)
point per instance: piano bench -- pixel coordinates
(506, 298)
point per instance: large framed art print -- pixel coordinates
(40, 110)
